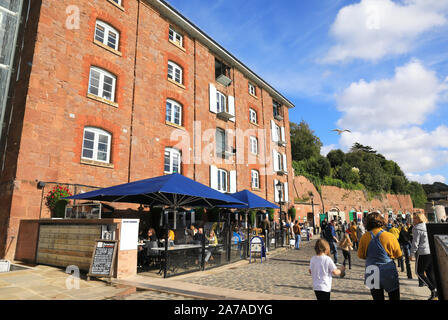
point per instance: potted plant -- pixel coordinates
(292, 213)
(271, 213)
(55, 203)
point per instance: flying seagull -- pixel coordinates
(341, 131)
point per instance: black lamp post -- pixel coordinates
(312, 210)
(279, 189)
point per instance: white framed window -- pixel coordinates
(255, 179)
(253, 144)
(175, 37)
(221, 140)
(280, 163)
(252, 89)
(117, 2)
(221, 102)
(172, 161)
(173, 112)
(253, 116)
(223, 180)
(107, 35)
(277, 108)
(96, 145)
(102, 84)
(174, 72)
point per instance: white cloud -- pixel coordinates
(325, 149)
(426, 178)
(406, 99)
(414, 149)
(373, 29)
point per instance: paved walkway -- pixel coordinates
(284, 276)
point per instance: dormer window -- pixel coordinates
(277, 107)
(252, 89)
(176, 37)
(222, 73)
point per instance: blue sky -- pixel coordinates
(376, 67)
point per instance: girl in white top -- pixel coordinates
(322, 269)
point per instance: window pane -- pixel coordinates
(99, 33)
(178, 76)
(171, 35)
(177, 115)
(112, 40)
(170, 72)
(94, 82)
(168, 112)
(103, 139)
(167, 162)
(87, 153)
(102, 147)
(102, 156)
(88, 144)
(89, 135)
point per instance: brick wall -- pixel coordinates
(347, 200)
(53, 108)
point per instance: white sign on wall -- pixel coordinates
(129, 234)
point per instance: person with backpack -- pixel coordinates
(379, 247)
(331, 237)
(296, 230)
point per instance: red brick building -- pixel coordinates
(113, 91)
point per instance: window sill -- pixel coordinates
(256, 189)
(254, 123)
(174, 125)
(102, 45)
(96, 98)
(97, 163)
(116, 5)
(177, 45)
(253, 96)
(176, 83)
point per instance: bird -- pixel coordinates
(339, 131)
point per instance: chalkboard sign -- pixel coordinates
(257, 247)
(102, 259)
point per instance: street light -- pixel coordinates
(279, 189)
(312, 209)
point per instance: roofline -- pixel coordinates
(166, 9)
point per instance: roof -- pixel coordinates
(171, 13)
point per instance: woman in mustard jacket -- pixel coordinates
(379, 248)
(354, 234)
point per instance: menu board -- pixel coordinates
(103, 258)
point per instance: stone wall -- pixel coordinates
(346, 200)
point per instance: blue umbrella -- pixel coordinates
(251, 201)
(171, 190)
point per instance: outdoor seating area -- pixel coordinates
(190, 227)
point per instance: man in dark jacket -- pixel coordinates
(330, 236)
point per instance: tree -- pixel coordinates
(347, 174)
(336, 158)
(304, 144)
(418, 194)
(359, 147)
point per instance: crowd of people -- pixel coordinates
(383, 245)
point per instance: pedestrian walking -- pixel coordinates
(330, 236)
(404, 239)
(297, 231)
(360, 230)
(323, 226)
(322, 270)
(354, 234)
(420, 249)
(379, 248)
(346, 245)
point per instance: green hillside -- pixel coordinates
(362, 168)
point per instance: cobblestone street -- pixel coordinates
(286, 273)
